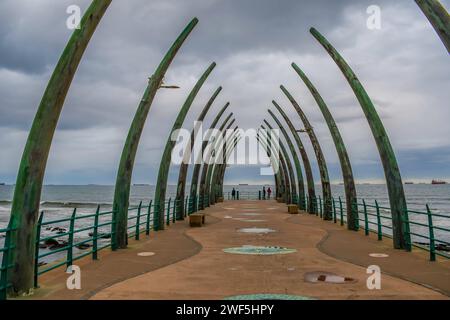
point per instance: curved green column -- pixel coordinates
(199, 160)
(324, 177)
(438, 17)
(126, 165)
(217, 166)
(391, 170)
(289, 172)
(201, 191)
(298, 168)
(277, 175)
(346, 167)
(284, 177)
(305, 158)
(27, 193)
(181, 185)
(163, 174)
(205, 184)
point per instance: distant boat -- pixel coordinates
(140, 185)
(243, 184)
(438, 182)
(408, 182)
(2, 184)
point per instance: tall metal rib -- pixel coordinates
(163, 174)
(391, 170)
(438, 17)
(125, 170)
(347, 173)
(187, 156)
(305, 158)
(326, 188)
(27, 193)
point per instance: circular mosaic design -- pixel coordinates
(256, 230)
(146, 254)
(379, 255)
(257, 250)
(268, 296)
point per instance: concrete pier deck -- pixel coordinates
(189, 263)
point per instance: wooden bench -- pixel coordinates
(292, 209)
(196, 220)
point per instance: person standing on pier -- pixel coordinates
(233, 194)
(264, 193)
(269, 191)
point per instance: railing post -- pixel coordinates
(237, 194)
(259, 195)
(138, 222)
(320, 207)
(379, 230)
(36, 249)
(334, 211)
(186, 203)
(5, 264)
(168, 211)
(175, 207)
(342, 212)
(95, 235)
(431, 233)
(366, 220)
(70, 242)
(149, 211)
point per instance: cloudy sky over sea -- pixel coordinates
(404, 67)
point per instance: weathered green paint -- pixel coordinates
(196, 173)
(198, 163)
(287, 167)
(217, 166)
(125, 170)
(277, 175)
(305, 158)
(205, 184)
(163, 174)
(181, 185)
(347, 173)
(293, 185)
(298, 167)
(438, 17)
(27, 193)
(324, 177)
(397, 199)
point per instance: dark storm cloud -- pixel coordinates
(253, 41)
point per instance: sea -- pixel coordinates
(58, 201)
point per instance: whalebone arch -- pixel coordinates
(27, 194)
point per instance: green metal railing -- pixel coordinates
(5, 266)
(377, 219)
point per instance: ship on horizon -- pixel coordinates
(438, 182)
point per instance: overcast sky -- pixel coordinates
(404, 67)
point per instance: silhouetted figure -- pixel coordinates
(233, 194)
(264, 193)
(269, 191)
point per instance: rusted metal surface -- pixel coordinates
(324, 177)
(181, 185)
(163, 174)
(438, 17)
(391, 170)
(301, 185)
(346, 167)
(27, 193)
(125, 170)
(305, 158)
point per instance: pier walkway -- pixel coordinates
(189, 263)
